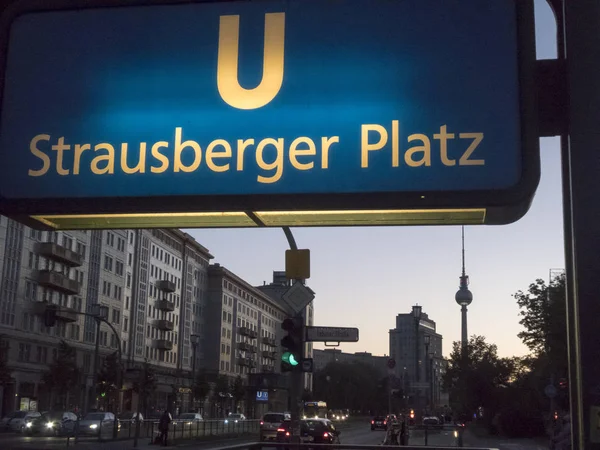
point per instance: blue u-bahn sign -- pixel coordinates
(268, 112)
(262, 396)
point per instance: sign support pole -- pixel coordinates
(581, 167)
(297, 376)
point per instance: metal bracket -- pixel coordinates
(328, 344)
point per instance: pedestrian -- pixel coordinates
(403, 440)
(562, 441)
(163, 427)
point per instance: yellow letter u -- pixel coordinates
(227, 65)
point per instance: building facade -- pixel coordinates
(324, 357)
(417, 349)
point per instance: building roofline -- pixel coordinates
(218, 268)
(188, 239)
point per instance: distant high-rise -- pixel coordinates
(464, 297)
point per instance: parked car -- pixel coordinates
(97, 423)
(55, 423)
(270, 423)
(379, 423)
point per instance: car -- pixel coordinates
(188, 419)
(19, 420)
(314, 431)
(338, 415)
(379, 423)
(235, 418)
(97, 423)
(55, 423)
(269, 424)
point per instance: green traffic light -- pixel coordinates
(103, 394)
(290, 358)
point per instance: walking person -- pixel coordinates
(163, 427)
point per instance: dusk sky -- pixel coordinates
(363, 277)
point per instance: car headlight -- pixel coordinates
(226, 421)
(94, 426)
(28, 424)
(49, 424)
(236, 421)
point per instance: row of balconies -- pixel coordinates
(58, 253)
(269, 341)
(245, 331)
(247, 362)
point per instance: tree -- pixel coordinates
(108, 379)
(238, 390)
(201, 387)
(62, 374)
(474, 379)
(222, 391)
(543, 317)
(355, 386)
(5, 371)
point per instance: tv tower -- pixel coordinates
(464, 297)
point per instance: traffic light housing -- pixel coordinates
(50, 315)
(291, 344)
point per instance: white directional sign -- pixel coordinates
(331, 334)
(298, 296)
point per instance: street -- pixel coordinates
(355, 433)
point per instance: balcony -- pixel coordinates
(244, 361)
(165, 286)
(245, 331)
(269, 355)
(63, 314)
(164, 325)
(268, 369)
(269, 341)
(57, 281)
(58, 253)
(162, 344)
(165, 305)
(244, 346)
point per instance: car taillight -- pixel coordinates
(261, 422)
(280, 430)
(385, 422)
(325, 435)
(287, 433)
(372, 422)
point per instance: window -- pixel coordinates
(24, 352)
(229, 318)
(128, 280)
(87, 362)
(222, 365)
(116, 316)
(108, 263)
(119, 268)
(74, 331)
(127, 302)
(67, 242)
(125, 324)
(224, 316)
(224, 332)
(81, 249)
(120, 244)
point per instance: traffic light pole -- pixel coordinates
(297, 379)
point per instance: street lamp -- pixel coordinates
(195, 339)
(100, 313)
(431, 380)
(426, 341)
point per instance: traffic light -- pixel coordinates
(292, 344)
(50, 316)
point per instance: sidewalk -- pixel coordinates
(144, 444)
(472, 439)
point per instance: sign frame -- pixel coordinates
(315, 338)
(446, 207)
